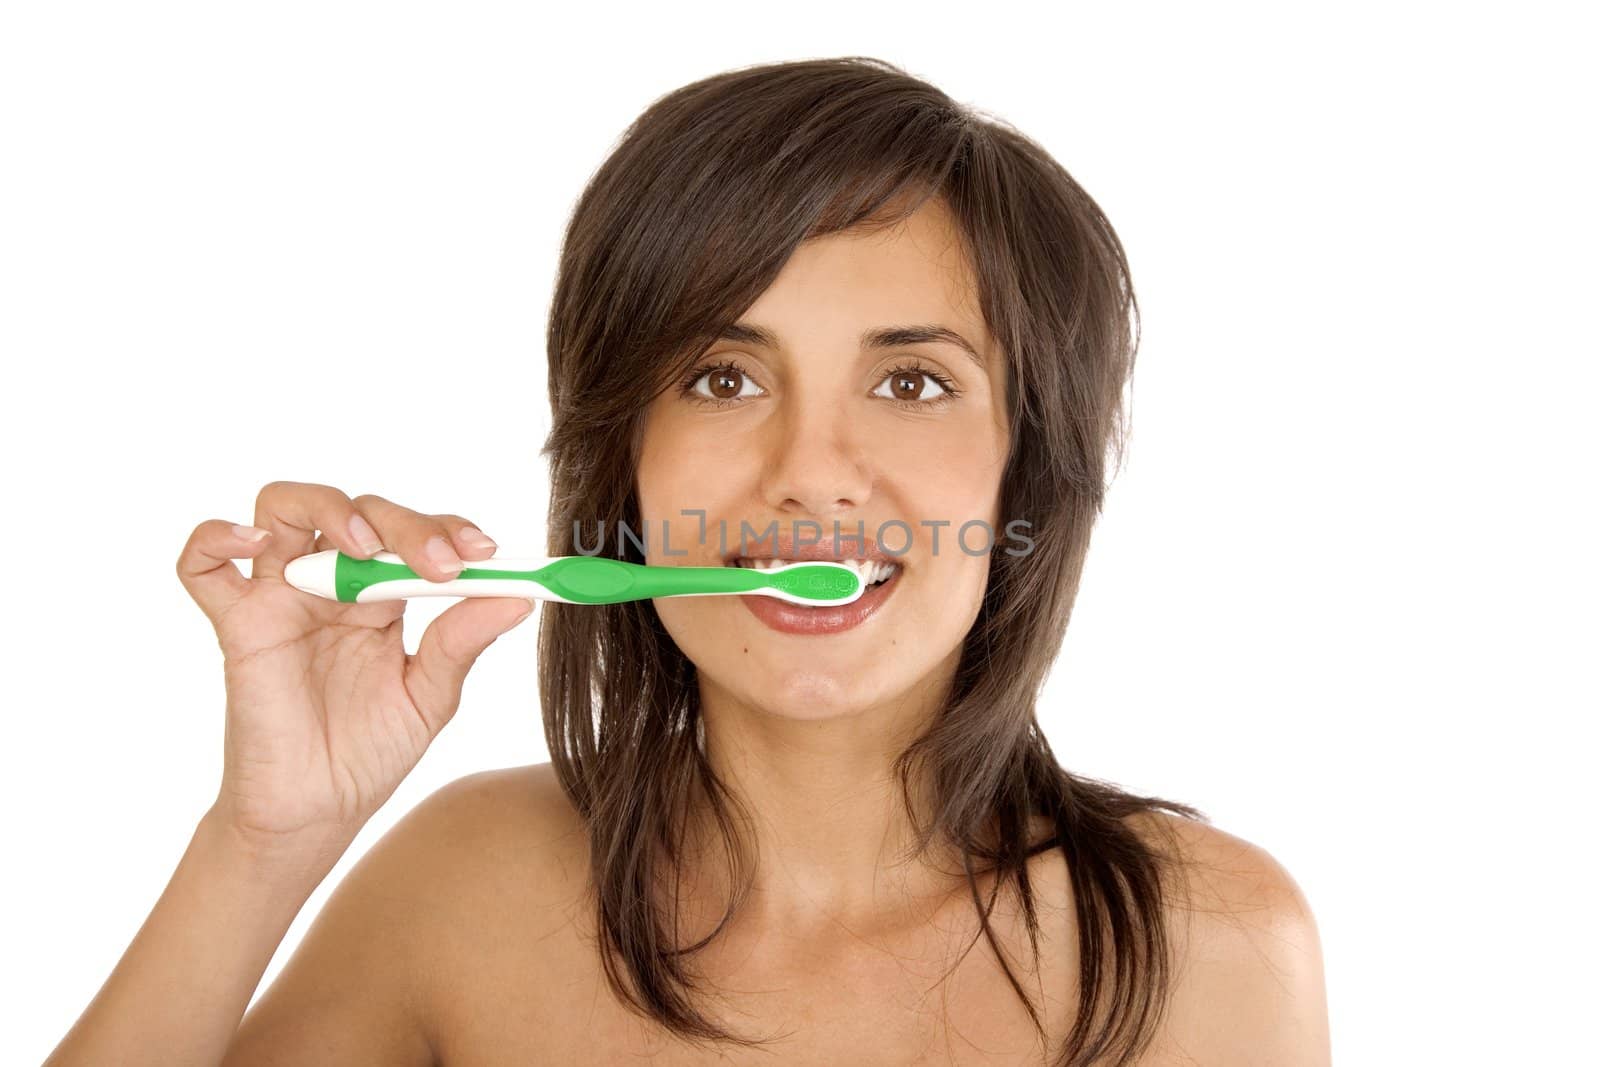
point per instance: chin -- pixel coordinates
(807, 693)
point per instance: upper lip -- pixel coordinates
(782, 546)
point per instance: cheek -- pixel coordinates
(958, 460)
(694, 625)
(664, 481)
(682, 466)
(947, 484)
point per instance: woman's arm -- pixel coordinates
(178, 992)
(326, 715)
(352, 991)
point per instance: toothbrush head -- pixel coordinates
(815, 583)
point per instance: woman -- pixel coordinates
(796, 295)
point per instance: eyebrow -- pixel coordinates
(879, 338)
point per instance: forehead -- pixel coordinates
(915, 271)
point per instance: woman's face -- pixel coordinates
(814, 425)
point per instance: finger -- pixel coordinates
(294, 512)
(462, 534)
(469, 541)
(435, 546)
(206, 568)
(449, 647)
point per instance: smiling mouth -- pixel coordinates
(872, 571)
(880, 579)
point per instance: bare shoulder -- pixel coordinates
(494, 844)
(1248, 977)
(487, 859)
(474, 838)
(518, 806)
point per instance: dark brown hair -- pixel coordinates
(684, 226)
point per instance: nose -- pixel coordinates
(815, 466)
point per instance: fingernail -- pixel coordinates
(249, 533)
(476, 537)
(365, 536)
(442, 554)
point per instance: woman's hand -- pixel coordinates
(326, 711)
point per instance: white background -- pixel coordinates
(1342, 597)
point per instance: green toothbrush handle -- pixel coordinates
(595, 580)
(566, 579)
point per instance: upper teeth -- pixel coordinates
(869, 569)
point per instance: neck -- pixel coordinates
(828, 831)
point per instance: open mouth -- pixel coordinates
(872, 571)
(880, 579)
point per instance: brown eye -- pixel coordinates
(907, 386)
(721, 384)
(725, 383)
(910, 385)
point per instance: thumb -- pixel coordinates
(450, 646)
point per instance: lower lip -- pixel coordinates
(790, 618)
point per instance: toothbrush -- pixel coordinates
(569, 580)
